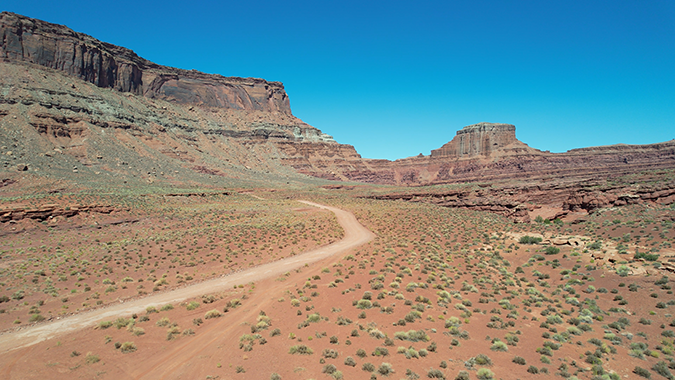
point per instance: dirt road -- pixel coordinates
(355, 234)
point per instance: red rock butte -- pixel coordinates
(481, 140)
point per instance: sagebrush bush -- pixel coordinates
(128, 347)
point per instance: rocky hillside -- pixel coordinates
(72, 104)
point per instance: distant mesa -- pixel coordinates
(482, 139)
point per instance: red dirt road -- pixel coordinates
(355, 234)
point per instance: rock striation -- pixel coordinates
(109, 66)
(481, 140)
(60, 121)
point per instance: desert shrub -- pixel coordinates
(646, 256)
(138, 331)
(529, 240)
(368, 367)
(127, 347)
(499, 346)
(380, 351)
(385, 369)
(329, 369)
(462, 375)
(166, 307)
(485, 374)
(91, 358)
(482, 359)
(151, 309)
(662, 369)
(104, 324)
(350, 361)
(435, 374)
(361, 353)
(329, 354)
(172, 332)
(212, 314)
(275, 332)
(642, 372)
(300, 349)
(192, 305)
(275, 376)
(519, 360)
(123, 322)
(550, 250)
(533, 370)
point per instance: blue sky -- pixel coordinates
(399, 78)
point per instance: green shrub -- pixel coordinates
(128, 347)
(385, 369)
(662, 369)
(301, 350)
(485, 374)
(212, 314)
(91, 358)
(435, 374)
(642, 372)
(105, 324)
(368, 367)
(499, 346)
(550, 250)
(529, 240)
(167, 307)
(519, 360)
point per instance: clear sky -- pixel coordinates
(399, 78)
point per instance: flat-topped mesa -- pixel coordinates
(58, 47)
(477, 140)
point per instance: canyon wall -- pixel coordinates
(109, 66)
(57, 115)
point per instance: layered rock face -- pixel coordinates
(481, 140)
(57, 115)
(106, 65)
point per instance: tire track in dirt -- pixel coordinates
(355, 234)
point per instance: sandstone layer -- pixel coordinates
(109, 66)
(76, 109)
(60, 119)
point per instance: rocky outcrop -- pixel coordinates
(482, 140)
(109, 66)
(50, 211)
(522, 200)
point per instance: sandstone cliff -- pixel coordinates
(483, 140)
(110, 66)
(58, 116)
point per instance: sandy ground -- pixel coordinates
(355, 234)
